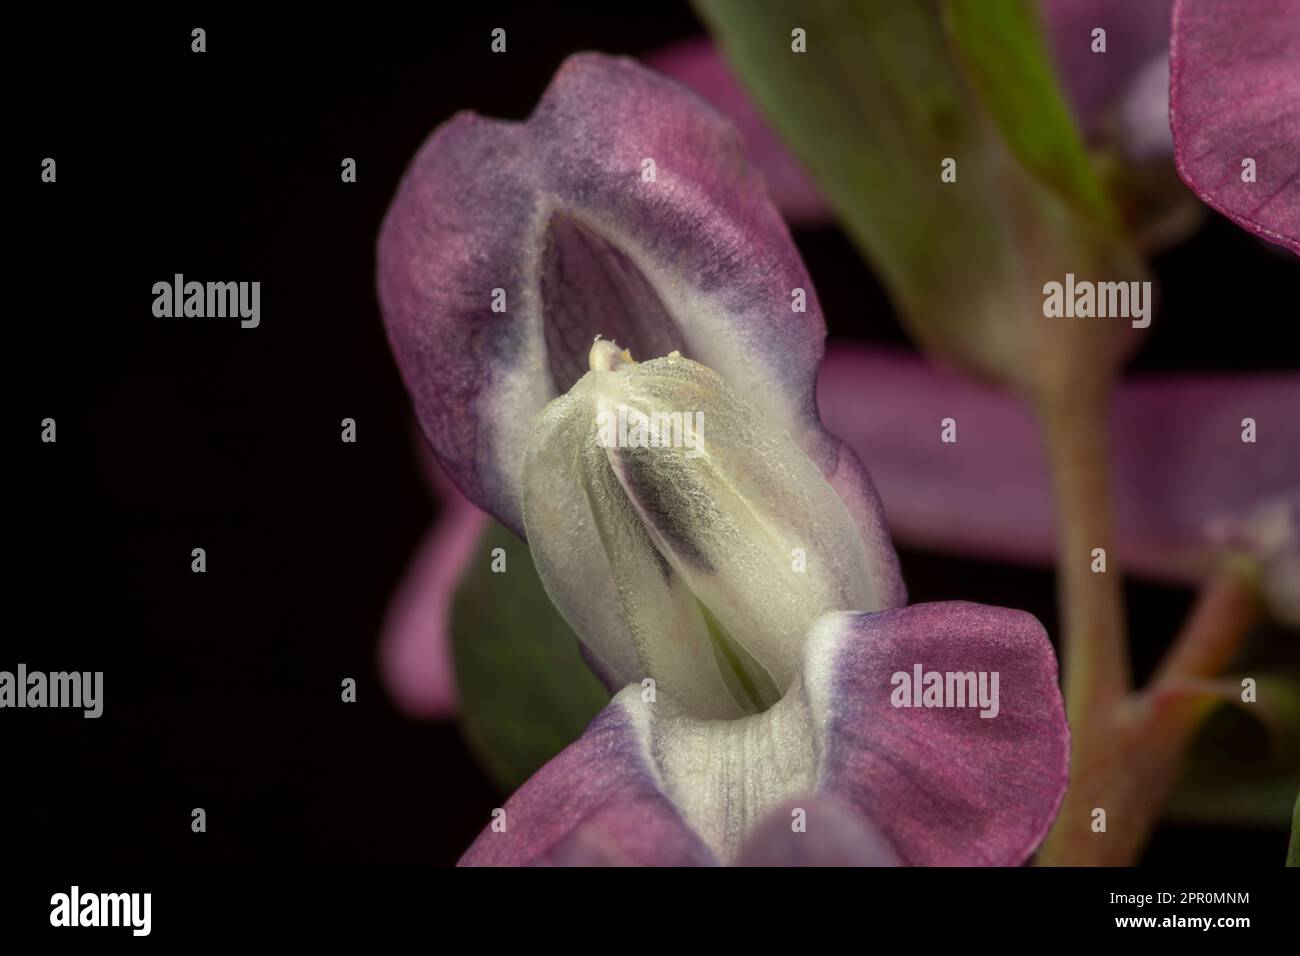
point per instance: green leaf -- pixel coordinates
(874, 107)
(1001, 45)
(525, 692)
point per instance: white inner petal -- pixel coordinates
(725, 776)
(699, 563)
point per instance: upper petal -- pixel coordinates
(1235, 95)
(561, 214)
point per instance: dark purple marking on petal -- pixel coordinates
(590, 288)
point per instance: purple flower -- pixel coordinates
(737, 582)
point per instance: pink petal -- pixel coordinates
(1235, 94)
(945, 785)
(415, 646)
(1180, 463)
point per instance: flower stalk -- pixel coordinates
(1127, 744)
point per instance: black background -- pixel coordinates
(222, 689)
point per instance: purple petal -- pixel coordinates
(1181, 467)
(415, 646)
(833, 835)
(595, 804)
(1234, 95)
(696, 63)
(555, 213)
(945, 785)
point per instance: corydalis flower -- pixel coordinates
(680, 569)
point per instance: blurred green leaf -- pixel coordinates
(1293, 851)
(525, 692)
(873, 107)
(1244, 769)
(1001, 45)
